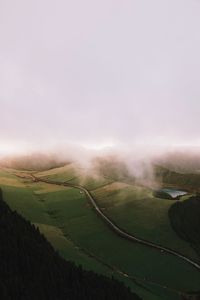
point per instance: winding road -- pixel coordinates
(115, 227)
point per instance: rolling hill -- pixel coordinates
(67, 219)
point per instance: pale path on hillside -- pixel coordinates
(117, 229)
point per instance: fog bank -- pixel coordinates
(99, 72)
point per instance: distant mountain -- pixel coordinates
(168, 177)
(185, 161)
(35, 161)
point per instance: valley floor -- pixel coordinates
(68, 220)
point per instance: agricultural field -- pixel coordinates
(74, 174)
(65, 216)
(135, 210)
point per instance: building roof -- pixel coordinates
(173, 192)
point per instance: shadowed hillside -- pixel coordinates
(32, 270)
(185, 220)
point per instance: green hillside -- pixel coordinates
(31, 269)
(69, 222)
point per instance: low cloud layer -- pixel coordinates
(99, 73)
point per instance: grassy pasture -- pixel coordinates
(74, 229)
(131, 208)
(8, 178)
(31, 203)
(90, 182)
(78, 220)
(48, 188)
(134, 209)
(60, 174)
(69, 250)
(75, 175)
(77, 214)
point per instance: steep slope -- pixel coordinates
(185, 220)
(31, 269)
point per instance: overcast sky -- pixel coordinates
(100, 72)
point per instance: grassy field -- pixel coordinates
(76, 175)
(68, 221)
(135, 209)
(30, 200)
(61, 174)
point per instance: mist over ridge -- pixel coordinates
(114, 81)
(100, 144)
(134, 165)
